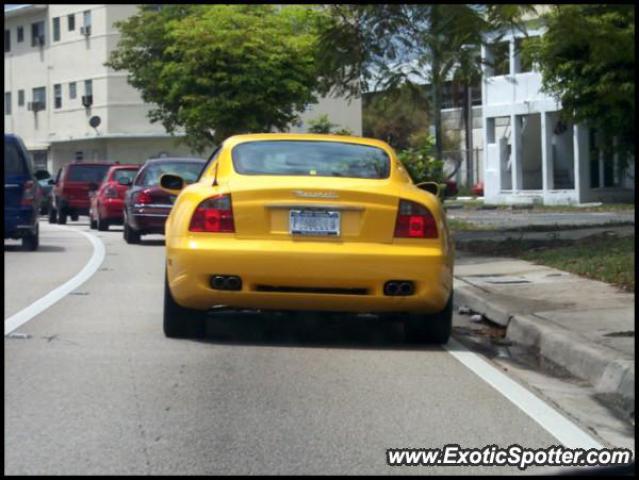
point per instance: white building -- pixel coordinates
(531, 156)
(55, 81)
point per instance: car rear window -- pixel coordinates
(189, 171)
(310, 158)
(13, 161)
(124, 173)
(87, 173)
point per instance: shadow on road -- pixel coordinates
(308, 329)
(41, 248)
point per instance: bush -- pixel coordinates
(421, 163)
(322, 124)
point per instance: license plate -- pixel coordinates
(314, 222)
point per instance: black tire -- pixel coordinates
(92, 223)
(435, 328)
(74, 217)
(62, 217)
(131, 236)
(30, 242)
(103, 225)
(53, 215)
(179, 321)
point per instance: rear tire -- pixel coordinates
(53, 215)
(103, 225)
(131, 236)
(62, 217)
(180, 321)
(31, 241)
(434, 329)
(93, 224)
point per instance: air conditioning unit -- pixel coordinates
(85, 30)
(35, 106)
(87, 100)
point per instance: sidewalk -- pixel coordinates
(585, 326)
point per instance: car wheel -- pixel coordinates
(62, 217)
(180, 321)
(32, 240)
(130, 235)
(52, 215)
(92, 223)
(74, 218)
(435, 328)
(103, 225)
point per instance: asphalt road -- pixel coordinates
(96, 388)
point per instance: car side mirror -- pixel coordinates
(41, 174)
(126, 181)
(171, 183)
(93, 187)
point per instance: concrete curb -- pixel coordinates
(609, 371)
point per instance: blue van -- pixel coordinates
(21, 194)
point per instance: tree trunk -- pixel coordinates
(436, 80)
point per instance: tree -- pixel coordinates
(396, 115)
(218, 70)
(382, 46)
(587, 61)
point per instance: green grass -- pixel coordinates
(456, 225)
(605, 258)
(610, 260)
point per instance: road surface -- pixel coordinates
(92, 386)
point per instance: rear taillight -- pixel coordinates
(214, 214)
(143, 198)
(111, 192)
(414, 221)
(28, 194)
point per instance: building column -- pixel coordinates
(515, 154)
(546, 154)
(581, 156)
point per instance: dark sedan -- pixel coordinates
(146, 205)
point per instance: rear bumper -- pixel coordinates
(20, 222)
(151, 221)
(112, 209)
(191, 262)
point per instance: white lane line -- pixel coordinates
(569, 434)
(39, 306)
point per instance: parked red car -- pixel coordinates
(70, 194)
(107, 202)
(478, 189)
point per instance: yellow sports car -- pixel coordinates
(307, 222)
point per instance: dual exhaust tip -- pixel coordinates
(226, 282)
(399, 288)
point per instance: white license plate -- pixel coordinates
(314, 222)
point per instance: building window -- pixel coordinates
(7, 103)
(56, 29)
(20, 98)
(88, 87)
(57, 96)
(523, 63)
(7, 40)
(499, 58)
(20, 34)
(40, 96)
(37, 34)
(72, 90)
(71, 22)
